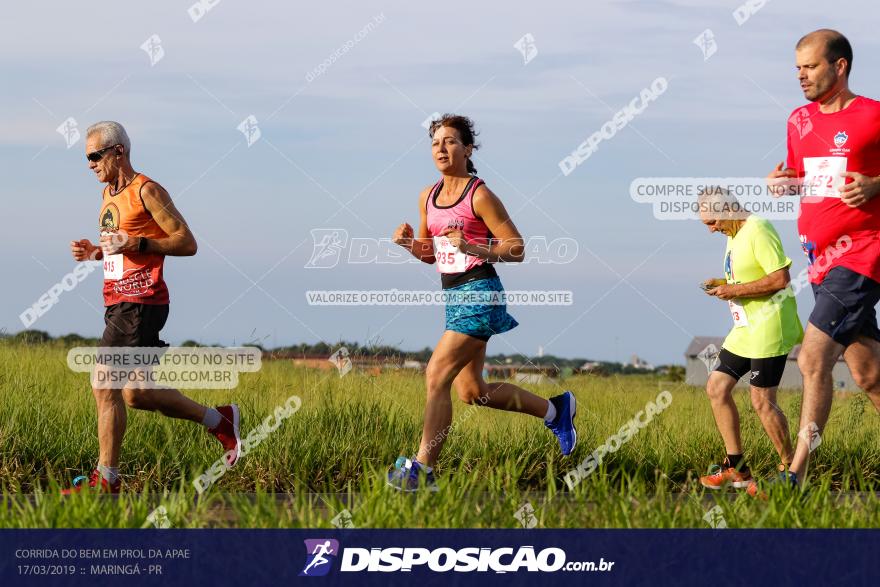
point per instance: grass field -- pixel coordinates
(332, 455)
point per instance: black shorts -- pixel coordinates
(765, 372)
(133, 325)
(844, 307)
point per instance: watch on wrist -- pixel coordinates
(142, 245)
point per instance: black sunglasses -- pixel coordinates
(96, 156)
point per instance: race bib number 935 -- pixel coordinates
(449, 259)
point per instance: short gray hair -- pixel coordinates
(720, 204)
(112, 133)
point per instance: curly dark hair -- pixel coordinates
(465, 128)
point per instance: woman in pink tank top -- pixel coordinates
(464, 229)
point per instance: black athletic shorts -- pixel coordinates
(844, 307)
(765, 372)
(133, 325)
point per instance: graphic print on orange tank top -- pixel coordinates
(131, 276)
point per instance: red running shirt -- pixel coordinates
(820, 147)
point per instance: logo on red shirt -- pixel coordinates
(809, 248)
(801, 121)
(840, 139)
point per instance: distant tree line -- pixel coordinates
(323, 349)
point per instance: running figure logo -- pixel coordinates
(320, 553)
(250, 128)
(153, 48)
(526, 516)
(327, 247)
(706, 42)
(68, 129)
(811, 436)
(527, 48)
(801, 121)
(709, 357)
(715, 518)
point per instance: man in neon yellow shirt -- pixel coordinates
(765, 328)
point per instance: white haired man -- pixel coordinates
(139, 226)
(765, 329)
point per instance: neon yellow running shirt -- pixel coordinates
(771, 326)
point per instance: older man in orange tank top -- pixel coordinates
(139, 226)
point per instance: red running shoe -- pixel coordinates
(721, 475)
(95, 483)
(227, 432)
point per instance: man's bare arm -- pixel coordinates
(180, 241)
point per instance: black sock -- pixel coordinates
(737, 462)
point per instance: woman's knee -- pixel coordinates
(438, 376)
(470, 393)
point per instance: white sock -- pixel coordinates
(212, 419)
(425, 467)
(110, 474)
(551, 412)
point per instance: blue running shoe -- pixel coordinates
(563, 425)
(784, 480)
(410, 475)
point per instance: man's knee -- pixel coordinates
(137, 399)
(763, 401)
(867, 378)
(106, 396)
(813, 364)
(717, 389)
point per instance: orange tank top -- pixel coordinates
(132, 277)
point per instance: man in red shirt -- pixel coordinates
(834, 151)
(140, 226)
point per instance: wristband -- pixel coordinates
(142, 245)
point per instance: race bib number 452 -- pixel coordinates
(449, 259)
(823, 176)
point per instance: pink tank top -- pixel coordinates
(461, 216)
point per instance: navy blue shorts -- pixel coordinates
(844, 308)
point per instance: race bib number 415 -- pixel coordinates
(823, 176)
(449, 259)
(113, 267)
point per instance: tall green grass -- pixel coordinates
(332, 455)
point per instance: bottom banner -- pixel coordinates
(436, 557)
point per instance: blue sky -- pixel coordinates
(353, 135)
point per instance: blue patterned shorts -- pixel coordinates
(480, 320)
